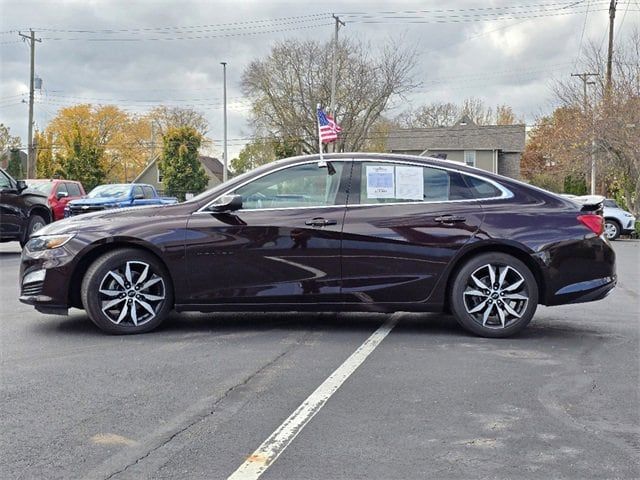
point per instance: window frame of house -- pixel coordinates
(474, 159)
(159, 175)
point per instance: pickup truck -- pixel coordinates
(22, 210)
(118, 195)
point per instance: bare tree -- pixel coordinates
(165, 118)
(286, 86)
(444, 114)
(614, 119)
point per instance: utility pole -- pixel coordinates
(224, 94)
(585, 81)
(612, 17)
(31, 153)
(334, 68)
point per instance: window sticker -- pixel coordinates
(409, 183)
(380, 182)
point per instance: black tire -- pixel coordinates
(612, 228)
(36, 222)
(107, 281)
(497, 301)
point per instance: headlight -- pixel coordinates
(626, 214)
(48, 242)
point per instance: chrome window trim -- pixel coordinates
(506, 193)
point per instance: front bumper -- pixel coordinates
(45, 278)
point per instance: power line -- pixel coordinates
(213, 26)
(584, 27)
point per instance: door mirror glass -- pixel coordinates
(227, 203)
(60, 195)
(138, 196)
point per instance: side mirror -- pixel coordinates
(227, 203)
(60, 195)
(138, 196)
(21, 185)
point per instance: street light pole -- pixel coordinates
(224, 94)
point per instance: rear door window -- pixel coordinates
(388, 182)
(148, 192)
(73, 189)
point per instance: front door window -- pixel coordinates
(305, 185)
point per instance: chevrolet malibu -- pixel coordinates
(350, 232)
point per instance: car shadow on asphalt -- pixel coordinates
(427, 324)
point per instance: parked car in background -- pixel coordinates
(117, 195)
(358, 231)
(58, 192)
(616, 220)
(22, 211)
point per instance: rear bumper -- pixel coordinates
(588, 291)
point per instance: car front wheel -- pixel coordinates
(494, 295)
(127, 291)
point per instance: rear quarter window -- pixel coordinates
(480, 188)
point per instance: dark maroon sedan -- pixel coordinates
(357, 232)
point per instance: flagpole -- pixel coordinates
(319, 137)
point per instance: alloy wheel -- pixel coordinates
(131, 294)
(610, 230)
(495, 295)
(35, 227)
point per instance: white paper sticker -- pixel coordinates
(409, 183)
(380, 182)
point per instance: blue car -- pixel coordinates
(117, 195)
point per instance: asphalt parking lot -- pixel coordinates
(196, 398)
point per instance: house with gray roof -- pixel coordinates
(152, 176)
(495, 148)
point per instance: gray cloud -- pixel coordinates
(512, 65)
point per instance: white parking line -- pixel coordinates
(267, 453)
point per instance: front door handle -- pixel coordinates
(320, 222)
(450, 219)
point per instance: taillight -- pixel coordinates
(593, 222)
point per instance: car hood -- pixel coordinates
(98, 201)
(117, 219)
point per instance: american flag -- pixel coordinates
(327, 127)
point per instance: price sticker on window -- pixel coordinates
(380, 182)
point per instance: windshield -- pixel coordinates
(104, 191)
(44, 187)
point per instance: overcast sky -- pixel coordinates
(137, 54)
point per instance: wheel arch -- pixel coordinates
(513, 249)
(43, 211)
(98, 249)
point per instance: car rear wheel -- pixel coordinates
(611, 229)
(494, 295)
(127, 291)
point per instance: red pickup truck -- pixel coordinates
(58, 192)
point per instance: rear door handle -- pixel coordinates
(450, 219)
(320, 222)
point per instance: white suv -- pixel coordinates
(617, 221)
